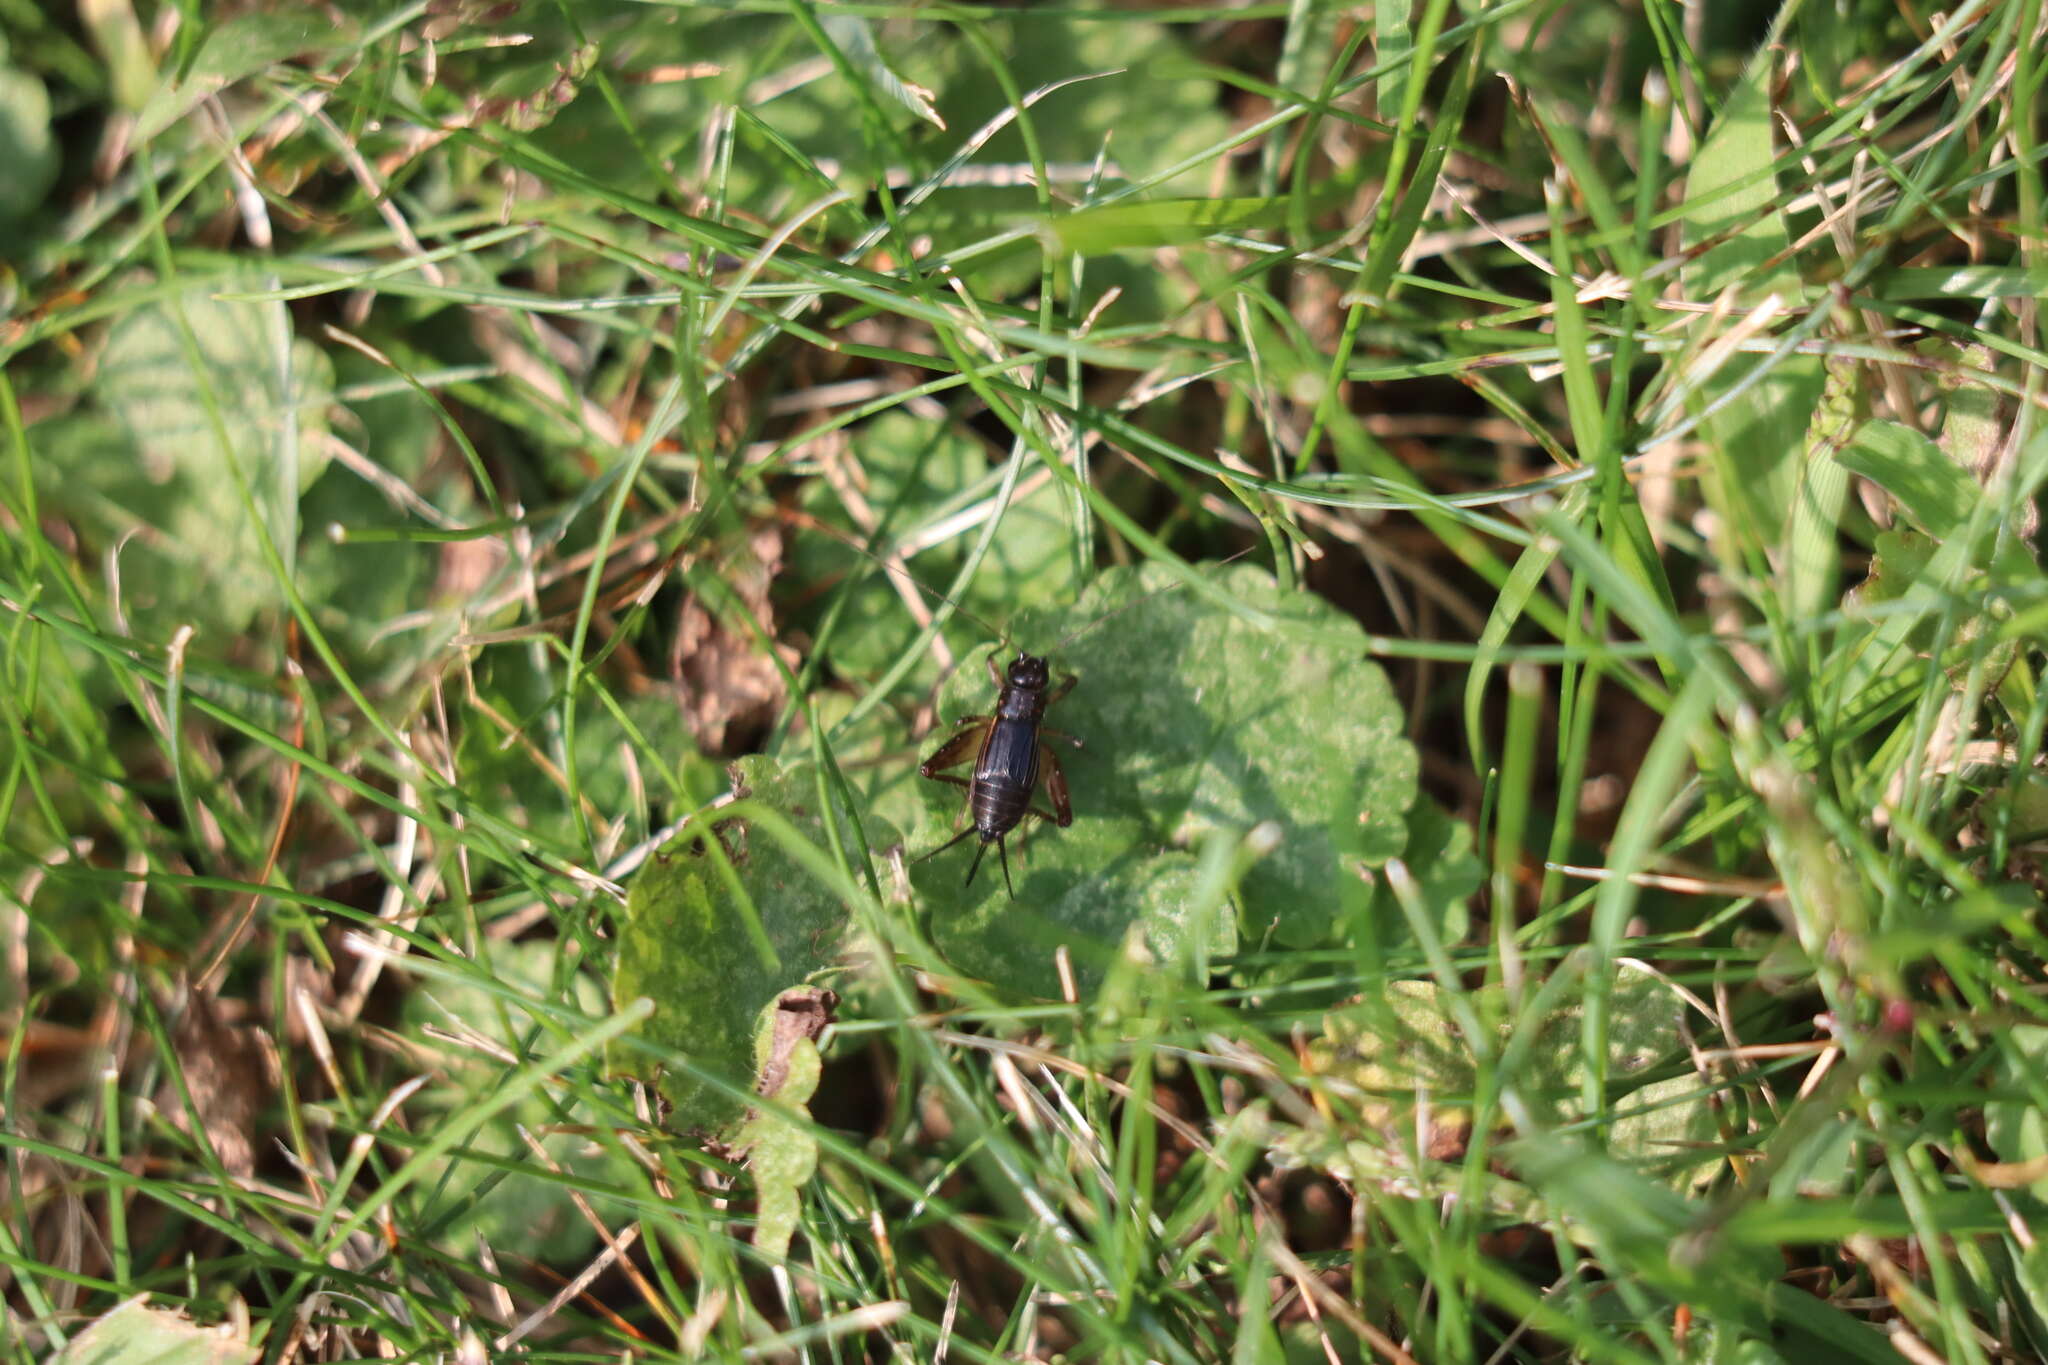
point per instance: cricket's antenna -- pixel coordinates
(1108, 616)
(893, 565)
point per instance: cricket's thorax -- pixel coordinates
(1023, 692)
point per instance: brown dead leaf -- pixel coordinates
(727, 686)
(229, 1071)
(465, 568)
(800, 1014)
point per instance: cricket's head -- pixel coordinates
(1027, 671)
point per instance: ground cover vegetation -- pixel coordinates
(1539, 499)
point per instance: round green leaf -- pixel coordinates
(27, 148)
(1446, 872)
(1193, 721)
(712, 950)
(247, 397)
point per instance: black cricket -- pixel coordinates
(1011, 756)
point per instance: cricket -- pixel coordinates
(1011, 758)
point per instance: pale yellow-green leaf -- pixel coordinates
(1731, 214)
(781, 1154)
(136, 1334)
